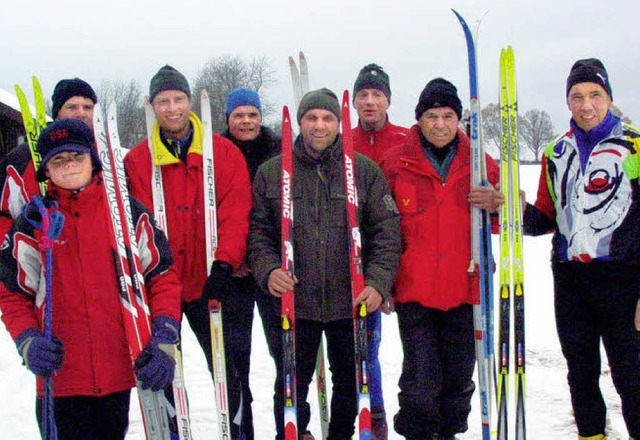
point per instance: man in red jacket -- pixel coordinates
(177, 142)
(373, 137)
(429, 176)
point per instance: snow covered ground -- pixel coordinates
(548, 408)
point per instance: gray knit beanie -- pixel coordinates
(168, 78)
(372, 76)
(323, 99)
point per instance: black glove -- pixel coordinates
(218, 284)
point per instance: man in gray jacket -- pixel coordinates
(323, 297)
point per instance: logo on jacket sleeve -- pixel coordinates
(30, 267)
(149, 254)
(14, 194)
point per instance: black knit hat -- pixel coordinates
(65, 135)
(323, 98)
(589, 70)
(168, 78)
(68, 88)
(372, 76)
(439, 93)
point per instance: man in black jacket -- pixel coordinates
(324, 301)
(258, 144)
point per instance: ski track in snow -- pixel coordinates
(548, 407)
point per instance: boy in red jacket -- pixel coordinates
(89, 354)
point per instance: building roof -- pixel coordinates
(11, 100)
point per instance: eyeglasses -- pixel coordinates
(61, 160)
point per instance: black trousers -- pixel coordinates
(436, 382)
(237, 320)
(596, 302)
(90, 418)
(340, 353)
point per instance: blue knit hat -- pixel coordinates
(242, 96)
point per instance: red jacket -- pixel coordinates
(87, 315)
(374, 144)
(184, 206)
(435, 223)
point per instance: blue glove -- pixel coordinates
(218, 284)
(155, 366)
(41, 355)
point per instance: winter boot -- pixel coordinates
(306, 436)
(379, 427)
(593, 437)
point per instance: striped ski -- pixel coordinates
(181, 401)
(157, 187)
(211, 245)
(300, 82)
(288, 301)
(357, 275)
(135, 312)
(33, 127)
(479, 267)
(518, 267)
(506, 261)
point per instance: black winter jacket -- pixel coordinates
(320, 231)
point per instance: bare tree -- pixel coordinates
(130, 106)
(220, 75)
(536, 130)
(491, 129)
(616, 111)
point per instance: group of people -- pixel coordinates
(414, 200)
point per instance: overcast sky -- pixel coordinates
(414, 41)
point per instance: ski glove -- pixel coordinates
(218, 284)
(41, 356)
(155, 366)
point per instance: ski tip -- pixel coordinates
(111, 109)
(345, 98)
(292, 62)
(460, 19)
(301, 56)
(285, 114)
(204, 95)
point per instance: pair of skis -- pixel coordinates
(157, 412)
(357, 279)
(33, 127)
(481, 264)
(211, 245)
(133, 299)
(511, 261)
(181, 403)
(300, 82)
